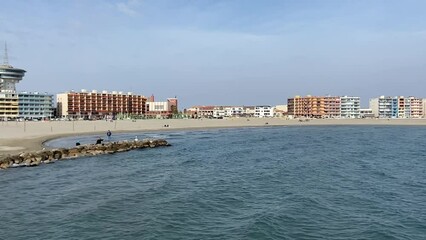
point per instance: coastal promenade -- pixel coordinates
(18, 137)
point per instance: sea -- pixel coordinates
(296, 182)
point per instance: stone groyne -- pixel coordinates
(32, 159)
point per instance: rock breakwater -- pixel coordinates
(32, 159)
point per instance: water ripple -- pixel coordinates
(253, 183)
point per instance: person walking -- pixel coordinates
(108, 135)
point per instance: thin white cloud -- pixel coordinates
(129, 7)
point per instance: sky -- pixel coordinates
(214, 52)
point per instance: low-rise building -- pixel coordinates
(227, 111)
(164, 109)
(264, 111)
(200, 111)
(280, 110)
(249, 111)
(366, 113)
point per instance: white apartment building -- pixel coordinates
(264, 111)
(227, 111)
(349, 107)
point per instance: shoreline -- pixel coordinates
(19, 137)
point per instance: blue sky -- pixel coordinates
(213, 52)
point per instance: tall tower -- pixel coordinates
(9, 77)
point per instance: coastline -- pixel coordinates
(29, 136)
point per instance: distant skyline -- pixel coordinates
(212, 52)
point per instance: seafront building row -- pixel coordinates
(349, 107)
(398, 107)
(260, 111)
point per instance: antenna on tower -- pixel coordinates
(5, 57)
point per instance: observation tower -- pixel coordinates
(9, 76)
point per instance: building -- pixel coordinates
(416, 107)
(331, 107)
(366, 113)
(349, 107)
(280, 110)
(249, 111)
(164, 109)
(9, 77)
(424, 107)
(384, 107)
(397, 107)
(200, 112)
(99, 105)
(228, 111)
(374, 106)
(220, 111)
(324, 107)
(309, 106)
(264, 111)
(35, 105)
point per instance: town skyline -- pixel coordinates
(219, 52)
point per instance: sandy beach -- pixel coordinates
(27, 136)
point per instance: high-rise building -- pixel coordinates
(94, 105)
(9, 77)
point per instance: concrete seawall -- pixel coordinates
(32, 159)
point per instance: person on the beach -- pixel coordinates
(108, 135)
(99, 141)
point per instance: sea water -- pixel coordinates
(328, 182)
